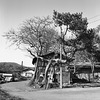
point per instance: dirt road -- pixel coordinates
(21, 89)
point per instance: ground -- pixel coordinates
(22, 90)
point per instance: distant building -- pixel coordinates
(7, 77)
(27, 73)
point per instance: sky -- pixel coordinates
(14, 12)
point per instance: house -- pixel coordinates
(50, 63)
(7, 77)
(27, 73)
(14, 70)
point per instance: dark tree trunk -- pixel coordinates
(32, 81)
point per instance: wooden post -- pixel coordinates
(60, 77)
(69, 77)
(89, 77)
(75, 65)
(61, 59)
(93, 70)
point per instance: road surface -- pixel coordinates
(22, 90)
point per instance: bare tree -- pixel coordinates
(36, 35)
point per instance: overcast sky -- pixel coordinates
(14, 12)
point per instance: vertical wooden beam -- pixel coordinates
(69, 77)
(61, 58)
(89, 77)
(60, 77)
(75, 65)
(93, 70)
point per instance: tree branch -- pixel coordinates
(31, 53)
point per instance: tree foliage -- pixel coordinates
(73, 23)
(83, 39)
(38, 36)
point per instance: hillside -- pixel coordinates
(10, 67)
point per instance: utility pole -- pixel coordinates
(61, 67)
(61, 59)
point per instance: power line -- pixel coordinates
(94, 17)
(94, 21)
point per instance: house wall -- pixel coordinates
(27, 73)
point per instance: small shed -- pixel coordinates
(50, 63)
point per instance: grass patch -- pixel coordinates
(5, 96)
